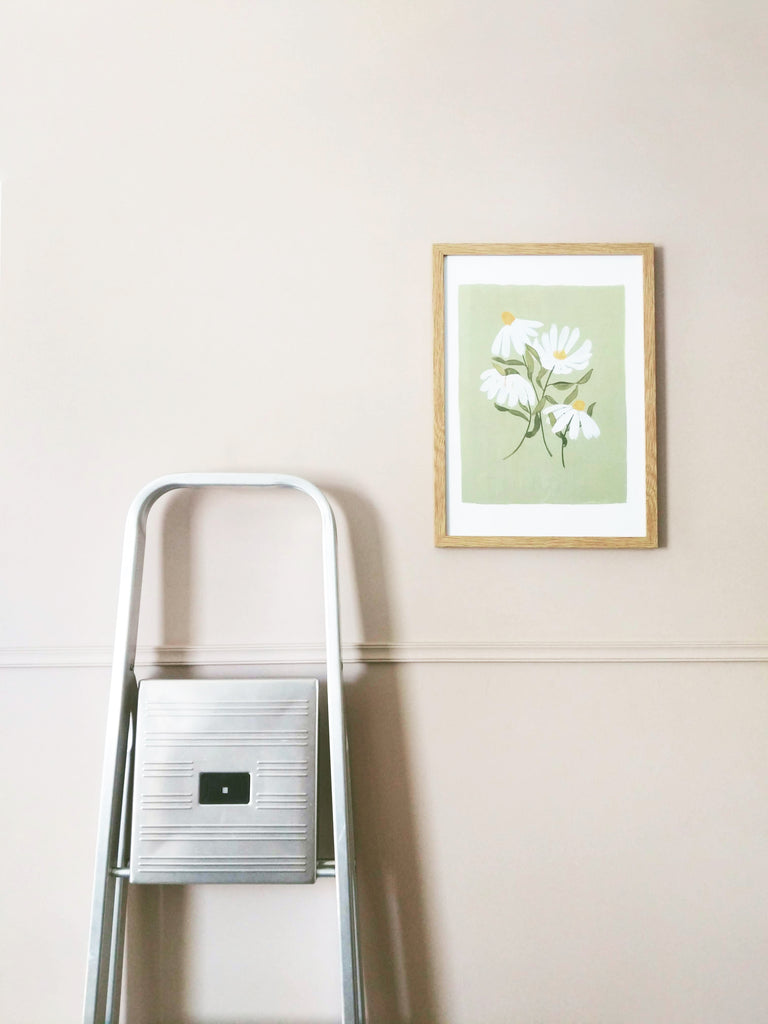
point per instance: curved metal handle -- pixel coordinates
(135, 536)
(102, 995)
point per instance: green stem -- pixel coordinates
(540, 400)
(562, 451)
(522, 439)
(543, 436)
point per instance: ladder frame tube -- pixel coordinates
(107, 915)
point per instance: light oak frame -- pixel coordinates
(646, 250)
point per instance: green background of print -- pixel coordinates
(596, 469)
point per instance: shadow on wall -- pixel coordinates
(395, 950)
(396, 955)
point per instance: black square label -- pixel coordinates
(225, 787)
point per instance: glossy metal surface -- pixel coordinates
(258, 828)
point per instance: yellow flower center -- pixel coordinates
(507, 318)
(560, 354)
(578, 405)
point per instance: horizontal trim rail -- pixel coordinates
(392, 653)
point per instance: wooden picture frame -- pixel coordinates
(545, 396)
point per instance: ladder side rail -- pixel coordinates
(117, 948)
(353, 1007)
(121, 701)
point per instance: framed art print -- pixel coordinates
(545, 398)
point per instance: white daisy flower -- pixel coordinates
(559, 353)
(508, 390)
(515, 334)
(575, 419)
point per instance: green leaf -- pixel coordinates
(534, 354)
(572, 397)
(589, 410)
(585, 378)
(541, 403)
(512, 412)
(540, 376)
(562, 385)
(511, 369)
(508, 362)
(529, 360)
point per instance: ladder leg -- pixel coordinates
(358, 961)
(102, 992)
(117, 947)
(117, 950)
(346, 895)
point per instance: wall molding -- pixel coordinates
(391, 653)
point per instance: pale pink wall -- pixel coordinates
(216, 231)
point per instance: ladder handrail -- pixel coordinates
(102, 985)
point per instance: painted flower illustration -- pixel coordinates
(558, 352)
(515, 334)
(544, 382)
(508, 390)
(574, 418)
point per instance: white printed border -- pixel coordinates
(627, 519)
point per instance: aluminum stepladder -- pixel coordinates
(106, 944)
